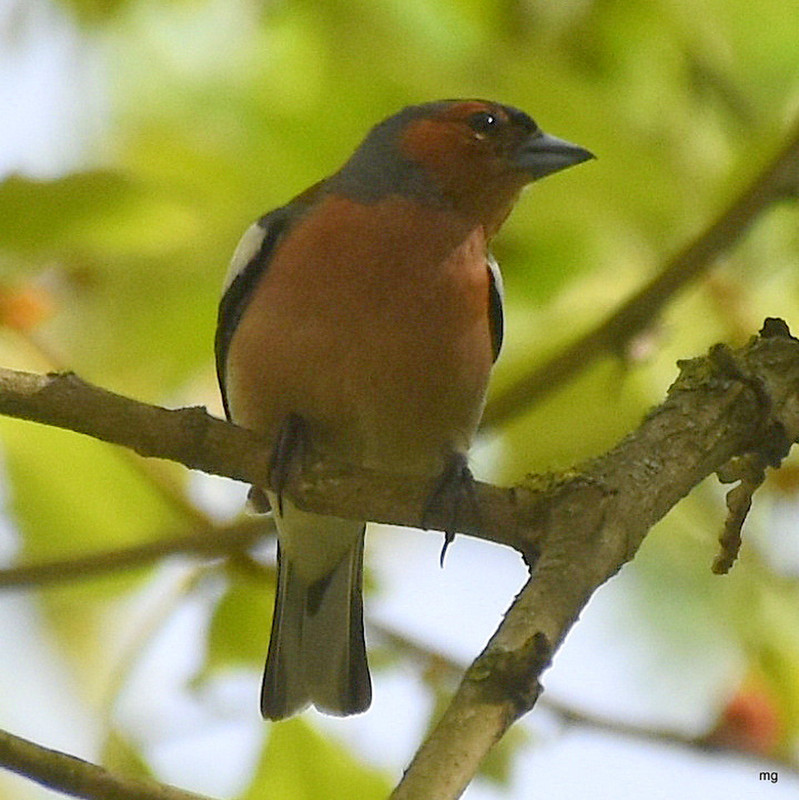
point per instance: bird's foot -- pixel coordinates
(454, 487)
(258, 501)
(288, 451)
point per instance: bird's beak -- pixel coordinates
(541, 154)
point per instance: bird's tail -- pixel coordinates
(316, 650)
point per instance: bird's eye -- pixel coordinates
(483, 122)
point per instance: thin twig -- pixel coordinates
(209, 543)
(569, 715)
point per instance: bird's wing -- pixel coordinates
(496, 295)
(250, 260)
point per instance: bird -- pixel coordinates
(362, 319)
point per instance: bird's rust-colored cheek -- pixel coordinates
(442, 148)
(468, 170)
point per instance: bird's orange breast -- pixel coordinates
(371, 323)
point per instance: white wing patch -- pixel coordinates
(497, 276)
(249, 244)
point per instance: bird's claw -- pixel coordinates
(287, 452)
(453, 487)
(258, 501)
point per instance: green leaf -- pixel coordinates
(299, 763)
(239, 629)
(39, 217)
(120, 755)
(71, 495)
(497, 766)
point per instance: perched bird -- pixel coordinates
(362, 318)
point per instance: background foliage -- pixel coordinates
(191, 118)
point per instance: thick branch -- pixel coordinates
(778, 179)
(79, 778)
(200, 441)
(187, 435)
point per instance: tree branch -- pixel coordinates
(666, 737)
(194, 438)
(79, 778)
(594, 523)
(778, 180)
(586, 523)
(210, 542)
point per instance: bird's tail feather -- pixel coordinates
(316, 650)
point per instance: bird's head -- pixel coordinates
(472, 155)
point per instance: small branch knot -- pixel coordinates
(770, 445)
(749, 469)
(774, 327)
(513, 674)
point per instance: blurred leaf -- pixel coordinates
(299, 763)
(95, 497)
(73, 495)
(239, 630)
(96, 11)
(121, 756)
(40, 217)
(498, 765)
